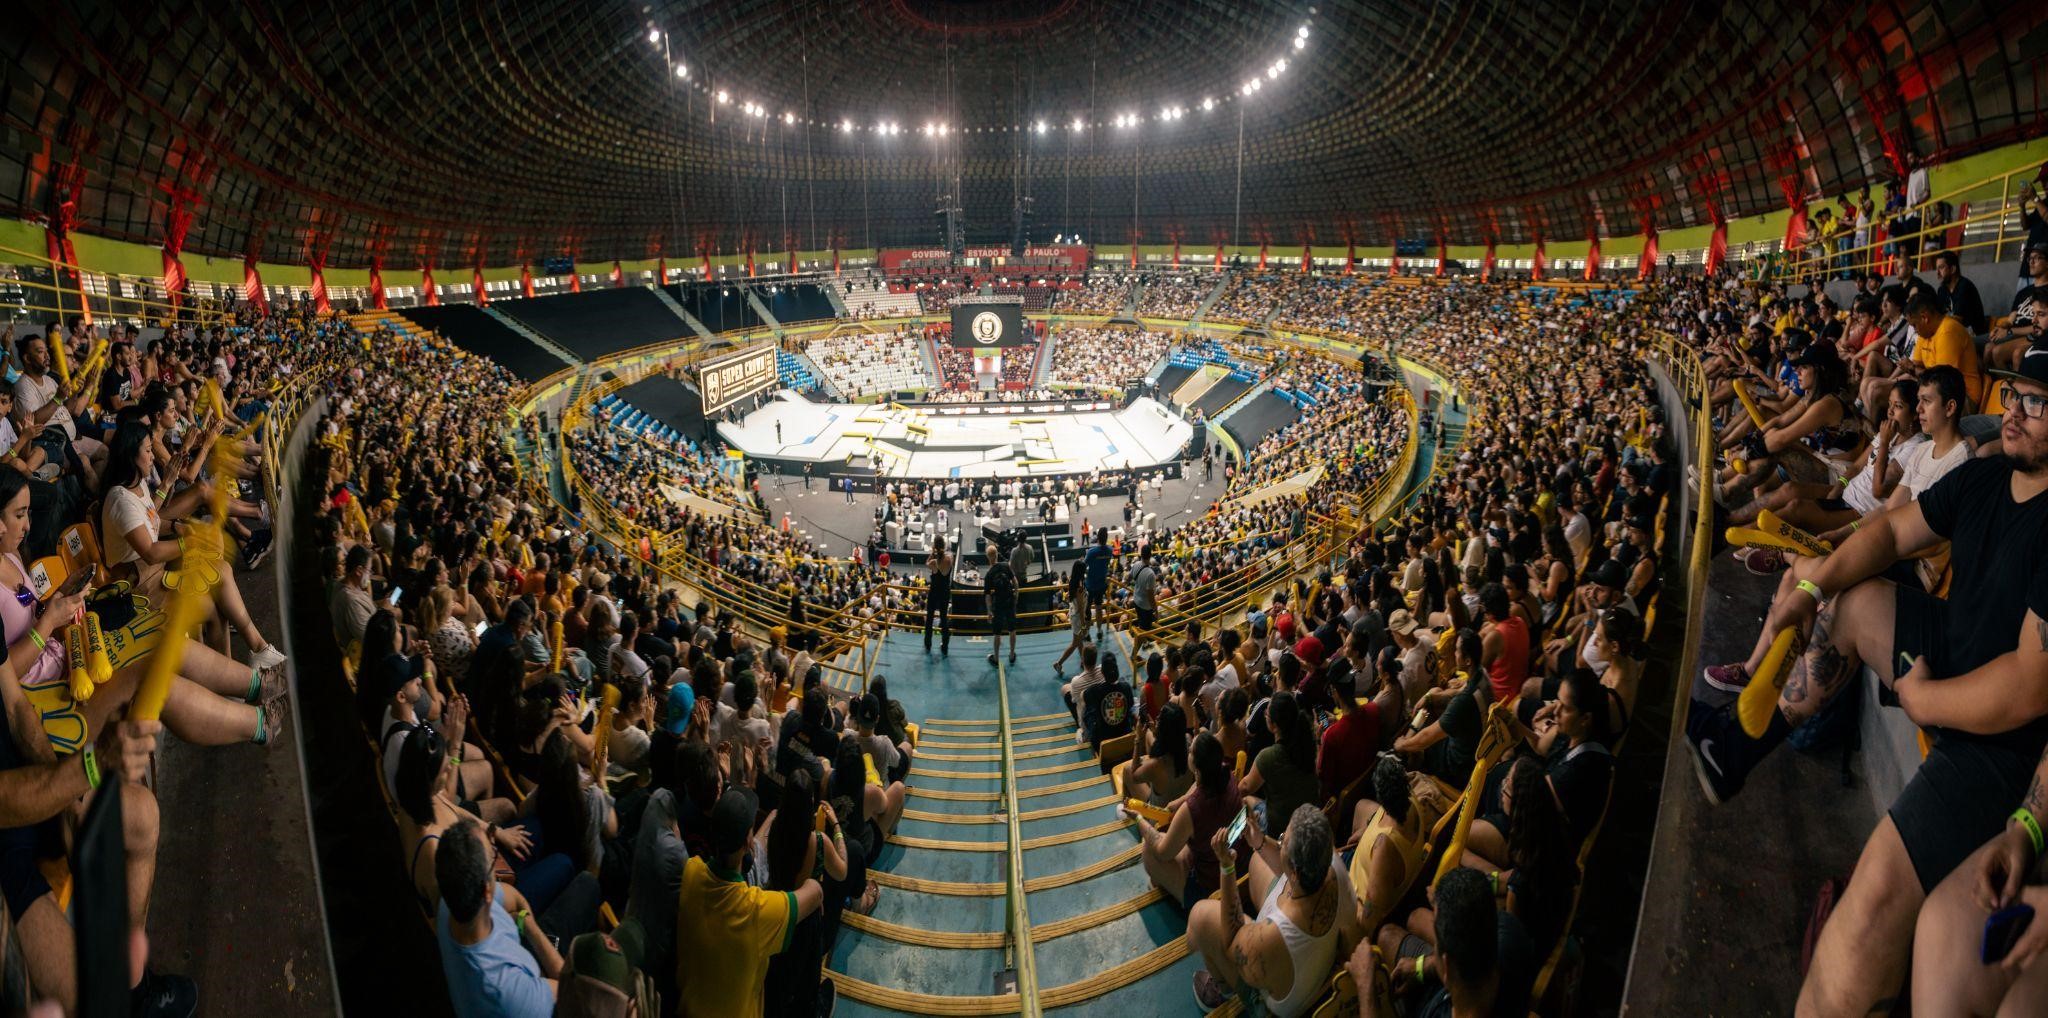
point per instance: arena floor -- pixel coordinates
(916, 442)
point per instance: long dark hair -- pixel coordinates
(1292, 731)
(129, 441)
(1207, 756)
(789, 837)
(380, 641)
(564, 812)
(420, 759)
(1536, 830)
(1170, 737)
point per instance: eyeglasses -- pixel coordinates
(2031, 405)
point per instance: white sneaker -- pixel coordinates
(268, 657)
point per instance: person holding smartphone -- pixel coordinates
(1978, 943)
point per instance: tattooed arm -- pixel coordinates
(1997, 696)
(1884, 539)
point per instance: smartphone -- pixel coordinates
(481, 626)
(1236, 830)
(396, 593)
(2002, 930)
(79, 579)
(99, 909)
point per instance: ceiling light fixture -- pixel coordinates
(1208, 104)
(1078, 124)
(681, 71)
(1039, 127)
(789, 118)
(654, 35)
(846, 126)
(1300, 42)
(723, 98)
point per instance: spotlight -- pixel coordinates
(654, 35)
(1078, 124)
(723, 98)
(1300, 42)
(1039, 127)
(789, 118)
(1301, 33)
(1208, 104)
(846, 126)
(682, 72)
(942, 130)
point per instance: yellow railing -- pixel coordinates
(1986, 211)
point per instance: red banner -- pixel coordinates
(378, 300)
(176, 223)
(1443, 256)
(1717, 249)
(1305, 258)
(1350, 257)
(1592, 257)
(618, 275)
(1394, 261)
(1646, 266)
(476, 282)
(252, 284)
(525, 280)
(321, 305)
(430, 294)
(1486, 265)
(1262, 256)
(575, 280)
(661, 271)
(63, 220)
(707, 263)
(1176, 253)
(750, 263)
(835, 260)
(1536, 263)
(1219, 257)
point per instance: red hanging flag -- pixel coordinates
(378, 300)
(1443, 256)
(1305, 258)
(1592, 257)
(476, 282)
(618, 274)
(1646, 266)
(430, 292)
(1486, 264)
(252, 284)
(1176, 252)
(1219, 256)
(575, 279)
(1350, 257)
(661, 271)
(525, 279)
(1717, 248)
(1536, 263)
(321, 305)
(1394, 260)
(835, 259)
(1262, 256)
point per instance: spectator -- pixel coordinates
(1283, 775)
(496, 958)
(1964, 665)
(1181, 859)
(1285, 950)
(1957, 294)
(727, 931)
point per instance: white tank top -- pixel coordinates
(1312, 955)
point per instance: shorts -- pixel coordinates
(1002, 618)
(1919, 627)
(1095, 597)
(1958, 800)
(1834, 505)
(1148, 618)
(21, 879)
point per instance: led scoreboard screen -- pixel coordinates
(990, 324)
(728, 380)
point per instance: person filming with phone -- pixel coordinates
(1977, 947)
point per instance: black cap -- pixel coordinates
(1610, 574)
(2033, 367)
(732, 820)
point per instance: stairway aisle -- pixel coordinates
(1103, 940)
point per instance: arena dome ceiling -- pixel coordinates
(460, 131)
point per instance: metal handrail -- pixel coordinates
(1804, 264)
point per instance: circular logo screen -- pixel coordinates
(987, 328)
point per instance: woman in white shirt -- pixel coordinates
(132, 542)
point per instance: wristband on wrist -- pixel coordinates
(91, 761)
(519, 919)
(1812, 590)
(1419, 960)
(36, 635)
(2026, 820)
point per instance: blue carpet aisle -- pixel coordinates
(1103, 940)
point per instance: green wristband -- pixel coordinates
(2033, 826)
(92, 779)
(1419, 960)
(1812, 589)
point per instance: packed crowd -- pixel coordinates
(149, 455)
(1101, 295)
(869, 363)
(1104, 356)
(1174, 296)
(956, 369)
(1250, 299)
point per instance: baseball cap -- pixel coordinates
(1402, 622)
(1609, 574)
(682, 702)
(2033, 367)
(1310, 650)
(732, 820)
(599, 978)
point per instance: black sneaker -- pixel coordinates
(256, 549)
(162, 995)
(992, 658)
(1718, 749)
(828, 997)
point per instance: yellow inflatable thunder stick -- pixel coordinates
(1760, 698)
(74, 651)
(1756, 416)
(1768, 522)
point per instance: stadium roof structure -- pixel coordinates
(466, 131)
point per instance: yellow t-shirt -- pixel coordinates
(726, 930)
(1951, 345)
